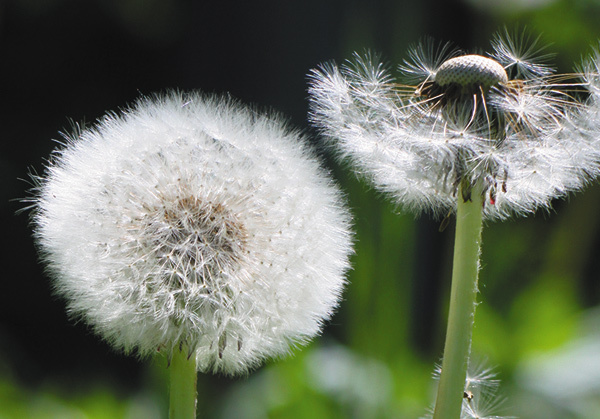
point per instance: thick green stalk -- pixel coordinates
(182, 399)
(461, 313)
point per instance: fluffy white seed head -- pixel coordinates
(503, 122)
(196, 223)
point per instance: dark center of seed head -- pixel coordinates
(194, 241)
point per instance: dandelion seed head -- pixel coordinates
(194, 222)
(503, 121)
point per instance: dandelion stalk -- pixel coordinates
(182, 399)
(461, 313)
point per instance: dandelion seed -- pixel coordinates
(480, 396)
(194, 224)
(521, 55)
(504, 121)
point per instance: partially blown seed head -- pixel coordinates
(194, 223)
(504, 122)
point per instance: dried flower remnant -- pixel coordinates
(194, 223)
(501, 121)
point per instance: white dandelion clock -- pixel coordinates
(195, 225)
(500, 121)
(486, 137)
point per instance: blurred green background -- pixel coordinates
(539, 321)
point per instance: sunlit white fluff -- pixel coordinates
(587, 123)
(481, 398)
(521, 55)
(194, 223)
(520, 140)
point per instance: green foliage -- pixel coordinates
(21, 403)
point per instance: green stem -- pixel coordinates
(182, 400)
(461, 313)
